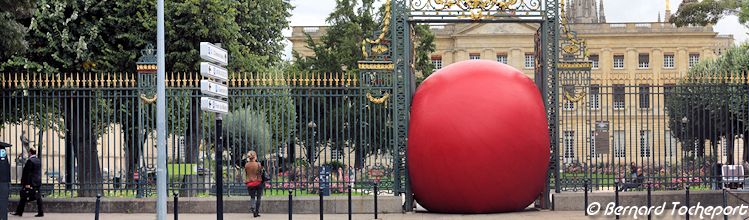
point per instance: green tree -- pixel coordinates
(15, 16)
(710, 12)
(106, 36)
(424, 49)
(702, 108)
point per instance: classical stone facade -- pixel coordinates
(628, 58)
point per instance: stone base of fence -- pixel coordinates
(276, 205)
(576, 201)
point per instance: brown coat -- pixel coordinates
(252, 172)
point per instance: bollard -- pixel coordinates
(585, 186)
(687, 202)
(321, 204)
(616, 197)
(176, 206)
(291, 206)
(375, 199)
(650, 201)
(98, 206)
(725, 204)
(349, 202)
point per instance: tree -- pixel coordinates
(14, 19)
(106, 36)
(424, 49)
(710, 12)
(706, 106)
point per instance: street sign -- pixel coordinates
(214, 105)
(214, 54)
(213, 71)
(209, 87)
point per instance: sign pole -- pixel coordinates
(160, 114)
(219, 169)
(215, 91)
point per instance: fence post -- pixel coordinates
(321, 204)
(650, 201)
(291, 206)
(687, 202)
(616, 197)
(349, 202)
(585, 186)
(725, 204)
(98, 206)
(376, 191)
(176, 206)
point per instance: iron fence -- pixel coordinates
(667, 133)
(95, 132)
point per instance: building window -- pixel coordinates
(502, 58)
(619, 145)
(437, 61)
(593, 144)
(619, 97)
(336, 154)
(618, 61)
(530, 61)
(595, 97)
(569, 144)
(474, 56)
(694, 58)
(644, 143)
(594, 61)
(644, 96)
(668, 61)
(644, 61)
(670, 144)
(668, 90)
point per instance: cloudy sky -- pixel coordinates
(313, 13)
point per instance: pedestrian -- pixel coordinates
(254, 181)
(31, 181)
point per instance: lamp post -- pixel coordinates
(684, 122)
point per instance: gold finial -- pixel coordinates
(58, 80)
(668, 5)
(305, 77)
(34, 81)
(127, 80)
(15, 79)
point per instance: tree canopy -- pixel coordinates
(107, 35)
(710, 104)
(710, 12)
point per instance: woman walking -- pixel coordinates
(254, 181)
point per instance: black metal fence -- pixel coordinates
(666, 133)
(95, 132)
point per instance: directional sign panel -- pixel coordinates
(213, 71)
(214, 54)
(209, 87)
(214, 105)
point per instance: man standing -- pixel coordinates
(31, 179)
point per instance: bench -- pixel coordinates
(733, 176)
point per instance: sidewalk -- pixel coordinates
(529, 215)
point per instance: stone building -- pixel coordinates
(633, 64)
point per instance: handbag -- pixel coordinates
(264, 176)
(30, 194)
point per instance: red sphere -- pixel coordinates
(478, 140)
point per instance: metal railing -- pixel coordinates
(95, 132)
(669, 135)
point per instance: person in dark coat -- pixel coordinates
(31, 179)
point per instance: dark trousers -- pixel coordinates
(24, 199)
(255, 194)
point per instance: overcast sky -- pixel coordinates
(314, 12)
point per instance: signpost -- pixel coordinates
(214, 101)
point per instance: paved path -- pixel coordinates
(529, 215)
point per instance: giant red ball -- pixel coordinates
(478, 140)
